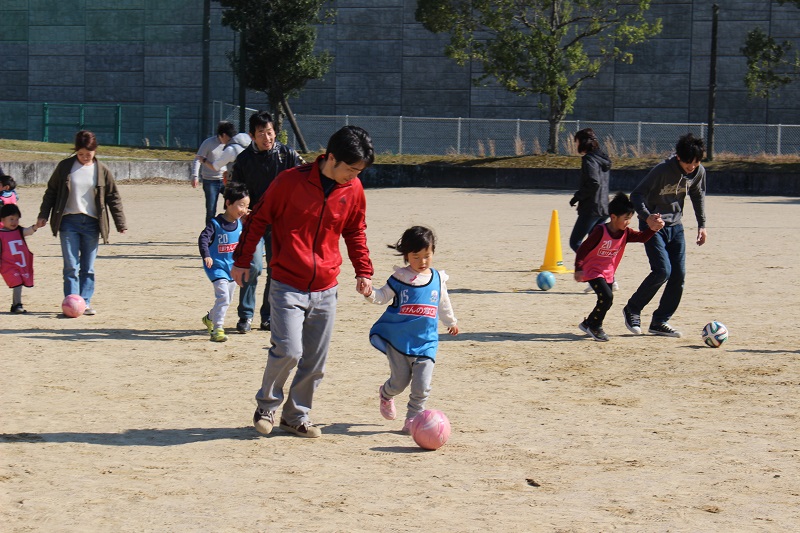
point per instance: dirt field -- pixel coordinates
(133, 421)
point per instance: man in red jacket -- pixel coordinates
(309, 207)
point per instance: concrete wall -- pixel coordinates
(149, 52)
(388, 64)
(753, 183)
(39, 172)
(377, 176)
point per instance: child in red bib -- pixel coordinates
(598, 257)
(16, 260)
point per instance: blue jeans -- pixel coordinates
(80, 238)
(212, 188)
(247, 294)
(583, 226)
(666, 251)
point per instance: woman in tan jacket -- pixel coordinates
(79, 196)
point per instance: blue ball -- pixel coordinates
(545, 280)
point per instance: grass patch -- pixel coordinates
(25, 151)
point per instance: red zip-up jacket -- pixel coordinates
(306, 228)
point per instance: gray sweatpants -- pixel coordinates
(418, 371)
(223, 294)
(301, 327)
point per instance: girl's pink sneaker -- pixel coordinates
(387, 406)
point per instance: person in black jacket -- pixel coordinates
(592, 196)
(256, 167)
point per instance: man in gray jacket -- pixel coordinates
(210, 150)
(663, 192)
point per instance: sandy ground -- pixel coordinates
(132, 420)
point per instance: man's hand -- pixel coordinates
(208, 262)
(240, 275)
(194, 183)
(655, 222)
(364, 286)
(701, 236)
(573, 201)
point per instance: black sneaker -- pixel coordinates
(244, 325)
(264, 325)
(664, 329)
(632, 321)
(17, 309)
(596, 333)
(264, 422)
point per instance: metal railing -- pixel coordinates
(509, 137)
(117, 124)
(151, 125)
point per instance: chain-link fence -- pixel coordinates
(509, 137)
(145, 125)
(114, 124)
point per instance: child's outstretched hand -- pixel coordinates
(452, 330)
(654, 222)
(208, 262)
(578, 276)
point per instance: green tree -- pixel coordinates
(547, 47)
(278, 41)
(769, 63)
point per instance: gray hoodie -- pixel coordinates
(664, 190)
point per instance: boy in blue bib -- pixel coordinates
(217, 243)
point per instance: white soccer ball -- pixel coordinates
(714, 334)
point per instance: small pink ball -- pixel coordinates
(430, 429)
(73, 306)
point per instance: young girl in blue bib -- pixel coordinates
(217, 243)
(407, 332)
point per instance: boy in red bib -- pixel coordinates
(598, 257)
(16, 260)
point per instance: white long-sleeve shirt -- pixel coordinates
(385, 294)
(211, 149)
(235, 146)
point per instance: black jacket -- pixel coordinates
(257, 169)
(592, 196)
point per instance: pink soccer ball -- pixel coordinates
(430, 429)
(73, 306)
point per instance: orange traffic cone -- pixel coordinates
(553, 260)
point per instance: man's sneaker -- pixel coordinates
(614, 286)
(387, 406)
(218, 335)
(244, 325)
(663, 329)
(17, 309)
(407, 426)
(264, 422)
(596, 333)
(90, 311)
(303, 429)
(208, 324)
(632, 321)
(265, 325)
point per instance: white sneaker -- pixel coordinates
(588, 289)
(614, 286)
